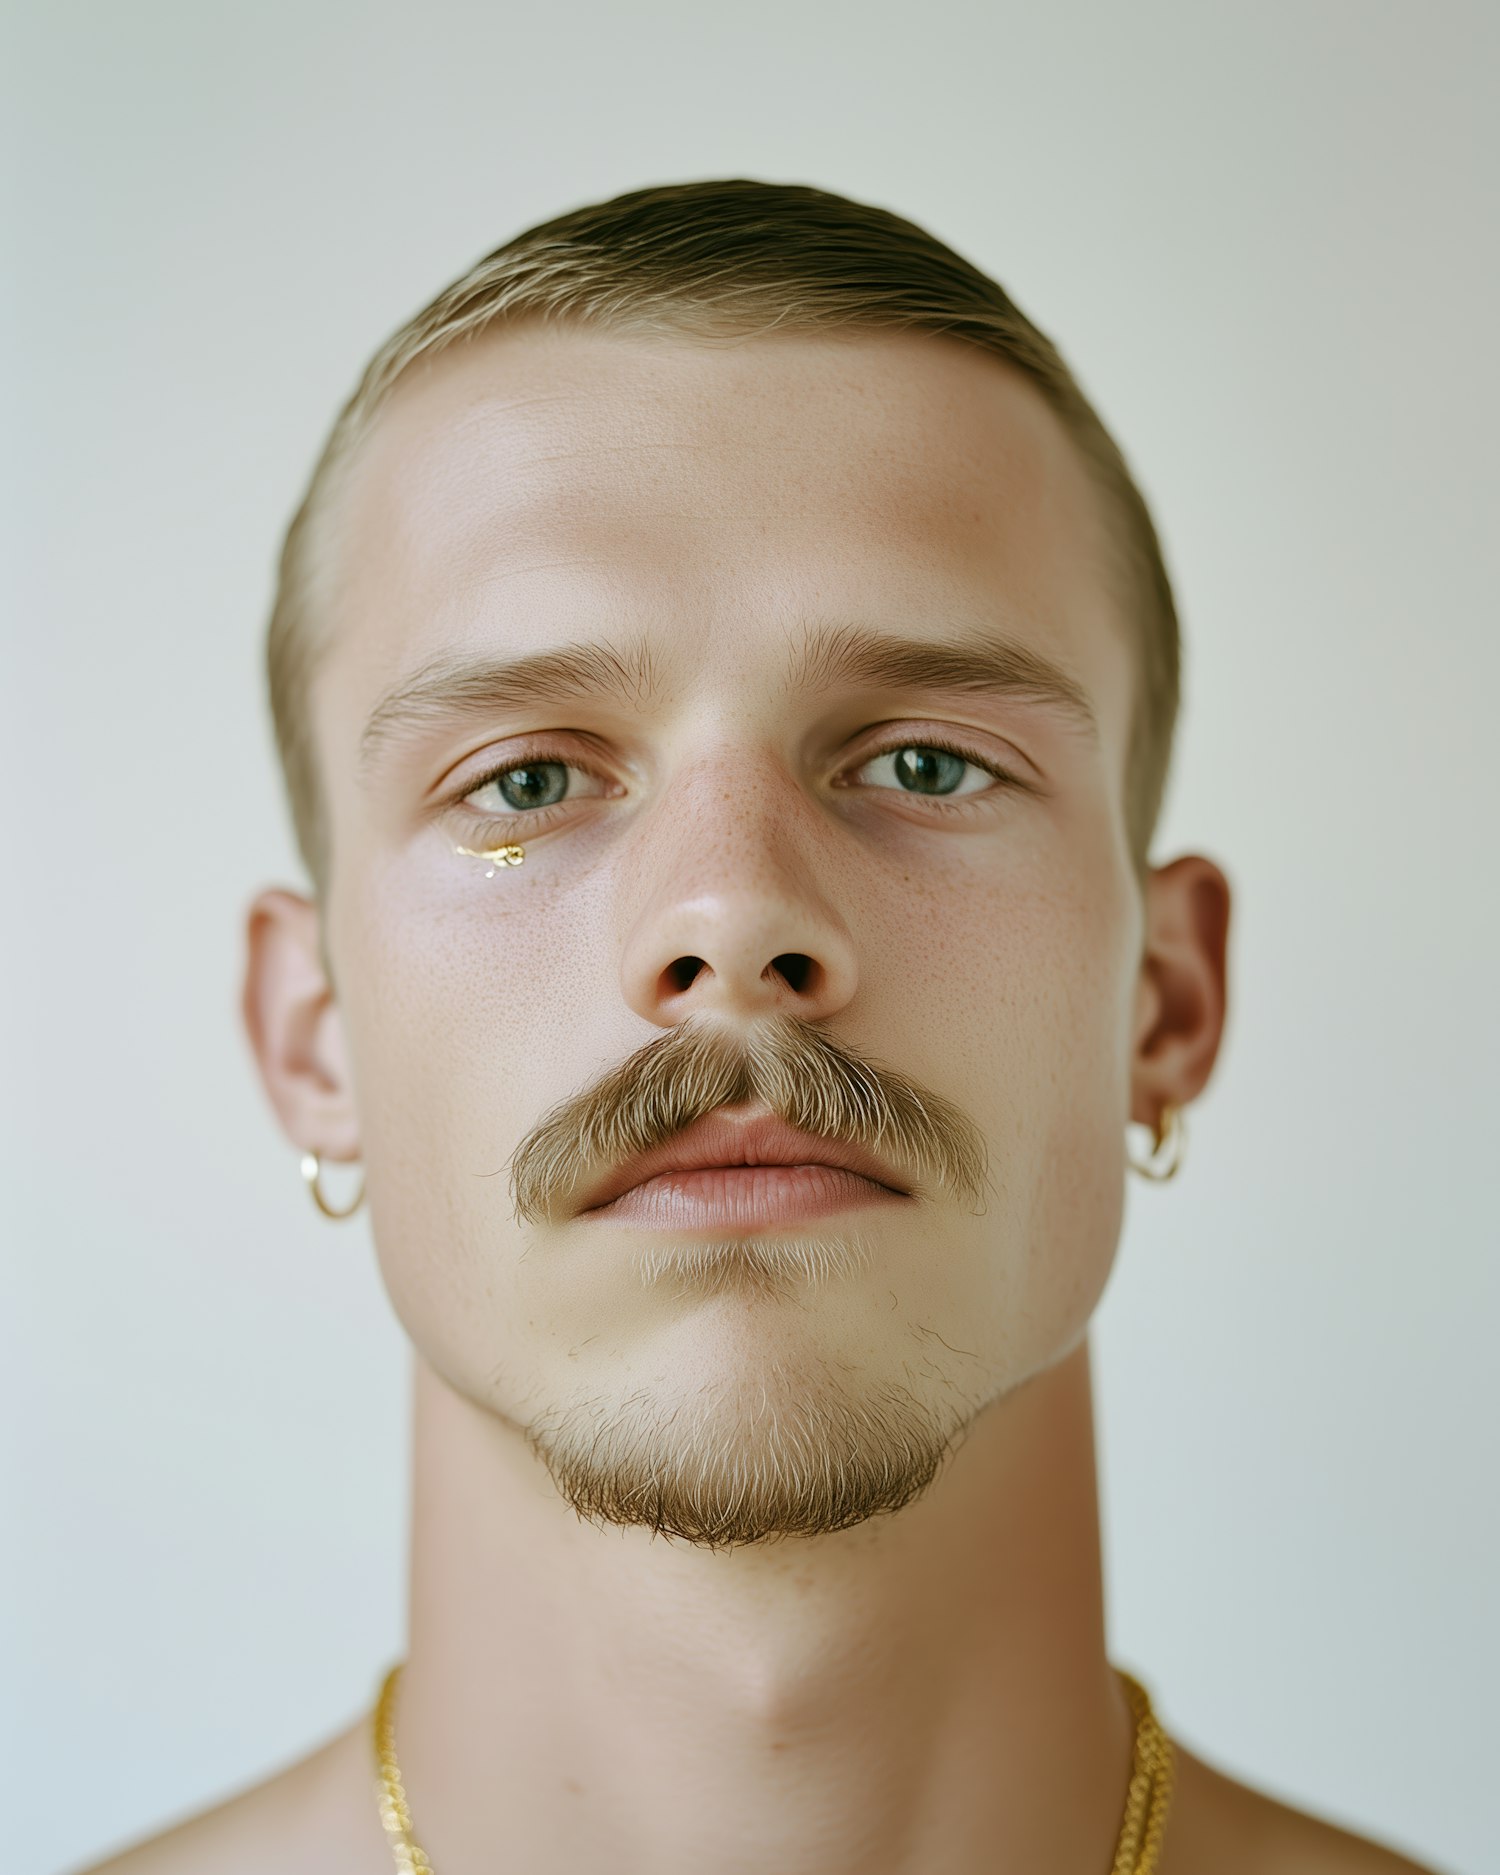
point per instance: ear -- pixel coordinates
(293, 1023)
(1181, 992)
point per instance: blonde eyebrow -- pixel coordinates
(972, 662)
(830, 657)
(450, 689)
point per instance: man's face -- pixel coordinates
(752, 845)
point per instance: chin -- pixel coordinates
(750, 1450)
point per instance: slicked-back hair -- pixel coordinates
(725, 262)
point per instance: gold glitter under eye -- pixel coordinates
(507, 855)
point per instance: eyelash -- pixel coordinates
(972, 756)
(538, 758)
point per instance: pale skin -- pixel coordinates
(928, 1692)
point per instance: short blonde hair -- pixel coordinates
(717, 261)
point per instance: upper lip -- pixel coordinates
(724, 1138)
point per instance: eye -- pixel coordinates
(526, 787)
(936, 769)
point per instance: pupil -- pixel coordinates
(527, 787)
(929, 766)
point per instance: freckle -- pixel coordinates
(572, 1784)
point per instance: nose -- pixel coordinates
(732, 920)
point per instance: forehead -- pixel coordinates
(542, 487)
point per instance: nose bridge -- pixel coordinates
(733, 810)
(731, 915)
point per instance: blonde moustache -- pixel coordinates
(799, 1072)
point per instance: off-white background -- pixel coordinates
(1260, 235)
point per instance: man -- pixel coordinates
(725, 676)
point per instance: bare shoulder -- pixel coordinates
(316, 1814)
(1219, 1826)
(320, 1814)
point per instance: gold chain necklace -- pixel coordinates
(1136, 1852)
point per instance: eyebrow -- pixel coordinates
(449, 689)
(830, 657)
(973, 662)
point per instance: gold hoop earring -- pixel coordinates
(312, 1167)
(1171, 1133)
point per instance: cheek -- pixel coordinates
(1076, 1131)
(1037, 995)
(470, 1010)
(1026, 966)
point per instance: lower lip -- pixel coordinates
(743, 1197)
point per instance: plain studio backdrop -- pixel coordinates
(1262, 237)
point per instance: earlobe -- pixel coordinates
(1183, 992)
(294, 1027)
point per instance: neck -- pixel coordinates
(927, 1691)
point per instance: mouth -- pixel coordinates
(737, 1171)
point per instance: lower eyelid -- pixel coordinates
(478, 830)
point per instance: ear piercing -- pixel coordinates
(312, 1167)
(1167, 1148)
(496, 855)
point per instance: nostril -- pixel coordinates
(795, 967)
(682, 972)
